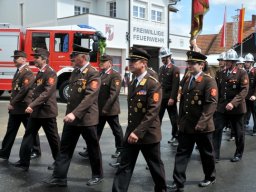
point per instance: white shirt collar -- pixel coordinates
(43, 68)
(139, 78)
(82, 69)
(197, 75)
(108, 70)
(22, 66)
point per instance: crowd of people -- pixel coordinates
(207, 105)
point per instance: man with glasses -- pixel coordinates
(43, 110)
(19, 101)
(199, 97)
(82, 117)
(169, 77)
(143, 132)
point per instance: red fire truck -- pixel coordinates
(57, 40)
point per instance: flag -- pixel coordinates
(223, 31)
(199, 8)
(241, 26)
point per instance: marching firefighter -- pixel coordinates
(233, 88)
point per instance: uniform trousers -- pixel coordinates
(129, 155)
(184, 151)
(14, 123)
(237, 124)
(173, 115)
(250, 106)
(51, 131)
(69, 140)
(115, 126)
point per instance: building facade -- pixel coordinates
(125, 23)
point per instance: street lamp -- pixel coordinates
(170, 8)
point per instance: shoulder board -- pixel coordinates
(207, 75)
(114, 70)
(94, 68)
(153, 78)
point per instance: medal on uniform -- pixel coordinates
(144, 110)
(196, 98)
(136, 109)
(139, 105)
(84, 84)
(192, 102)
(79, 90)
(199, 102)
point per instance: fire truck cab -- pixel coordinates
(57, 40)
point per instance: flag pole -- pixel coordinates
(242, 31)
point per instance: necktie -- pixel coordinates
(134, 84)
(192, 80)
(16, 73)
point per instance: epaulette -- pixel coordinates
(115, 70)
(207, 75)
(94, 68)
(153, 78)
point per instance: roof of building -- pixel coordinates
(210, 44)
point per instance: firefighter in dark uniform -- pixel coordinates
(198, 103)
(251, 96)
(233, 87)
(19, 101)
(109, 106)
(143, 132)
(82, 117)
(169, 76)
(43, 109)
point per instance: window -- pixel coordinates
(139, 12)
(156, 16)
(112, 9)
(41, 40)
(77, 10)
(117, 65)
(85, 10)
(61, 42)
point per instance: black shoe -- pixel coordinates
(34, 155)
(175, 188)
(51, 167)
(114, 165)
(20, 165)
(116, 155)
(2, 156)
(235, 159)
(84, 154)
(94, 181)
(206, 183)
(55, 182)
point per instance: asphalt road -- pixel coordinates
(235, 177)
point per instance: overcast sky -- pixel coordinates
(213, 20)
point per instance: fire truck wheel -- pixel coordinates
(63, 91)
(1, 93)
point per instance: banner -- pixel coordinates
(199, 8)
(241, 26)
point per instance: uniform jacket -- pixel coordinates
(153, 73)
(20, 98)
(169, 77)
(43, 93)
(109, 93)
(233, 88)
(197, 105)
(252, 83)
(143, 109)
(83, 96)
